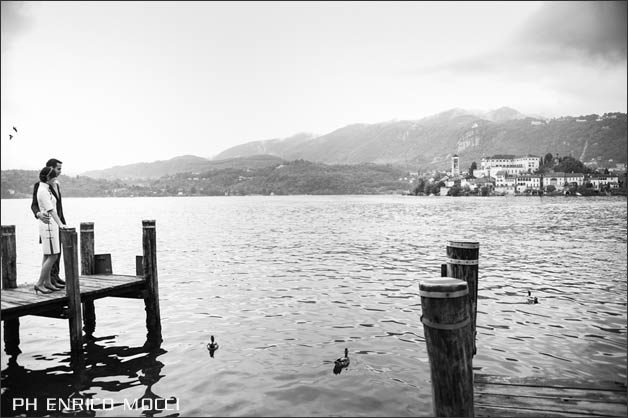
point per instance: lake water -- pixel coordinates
(285, 283)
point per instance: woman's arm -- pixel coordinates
(54, 215)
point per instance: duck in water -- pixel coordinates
(212, 346)
(342, 362)
(532, 300)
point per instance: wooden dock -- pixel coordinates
(22, 300)
(76, 302)
(506, 396)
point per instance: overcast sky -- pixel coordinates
(103, 84)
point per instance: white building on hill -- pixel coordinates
(513, 165)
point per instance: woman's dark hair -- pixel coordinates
(47, 173)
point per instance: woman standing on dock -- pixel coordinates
(48, 232)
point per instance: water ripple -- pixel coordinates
(286, 283)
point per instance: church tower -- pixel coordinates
(455, 166)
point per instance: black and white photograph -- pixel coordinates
(314, 208)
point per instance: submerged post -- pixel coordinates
(9, 281)
(447, 326)
(73, 292)
(87, 268)
(462, 264)
(149, 267)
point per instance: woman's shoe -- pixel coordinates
(41, 289)
(57, 284)
(58, 281)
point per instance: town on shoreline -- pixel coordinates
(529, 175)
(499, 175)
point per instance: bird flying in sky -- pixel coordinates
(15, 129)
(10, 137)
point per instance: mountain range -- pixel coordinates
(411, 145)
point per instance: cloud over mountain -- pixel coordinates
(567, 55)
(591, 29)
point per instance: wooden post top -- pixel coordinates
(71, 230)
(8, 229)
(87, 226)
(443, 287)
(148, 223)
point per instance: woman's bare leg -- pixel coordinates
(44, 277)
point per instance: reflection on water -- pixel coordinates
(285, 283)
(63, 390)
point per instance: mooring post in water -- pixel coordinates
(149, 267)
(9, 281)
(73, 292)
(87, 268)
(462, 264)
(447, 327)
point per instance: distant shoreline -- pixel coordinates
(620, 193)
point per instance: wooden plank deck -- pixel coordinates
(23, 300)
(500, 396)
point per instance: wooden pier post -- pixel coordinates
(87, 268)
(9, 258)
(73, 292)
(149, 266)
(9, 281)
(87, 248)
(462, 264)
(139, 265)
(447, 328)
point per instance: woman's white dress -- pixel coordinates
(49, 233)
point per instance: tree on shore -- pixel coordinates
(420, 187)
(571, 165)
(474, 166)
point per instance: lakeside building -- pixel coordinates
(525, 182)
(601, 180)
(512, 164)
(504, 184)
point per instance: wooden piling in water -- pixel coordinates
(87, 268)
(447, 327)
(9, 281)
(462, 264)
(73, 292)
(149, 267)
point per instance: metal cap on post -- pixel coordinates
(447, 327)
